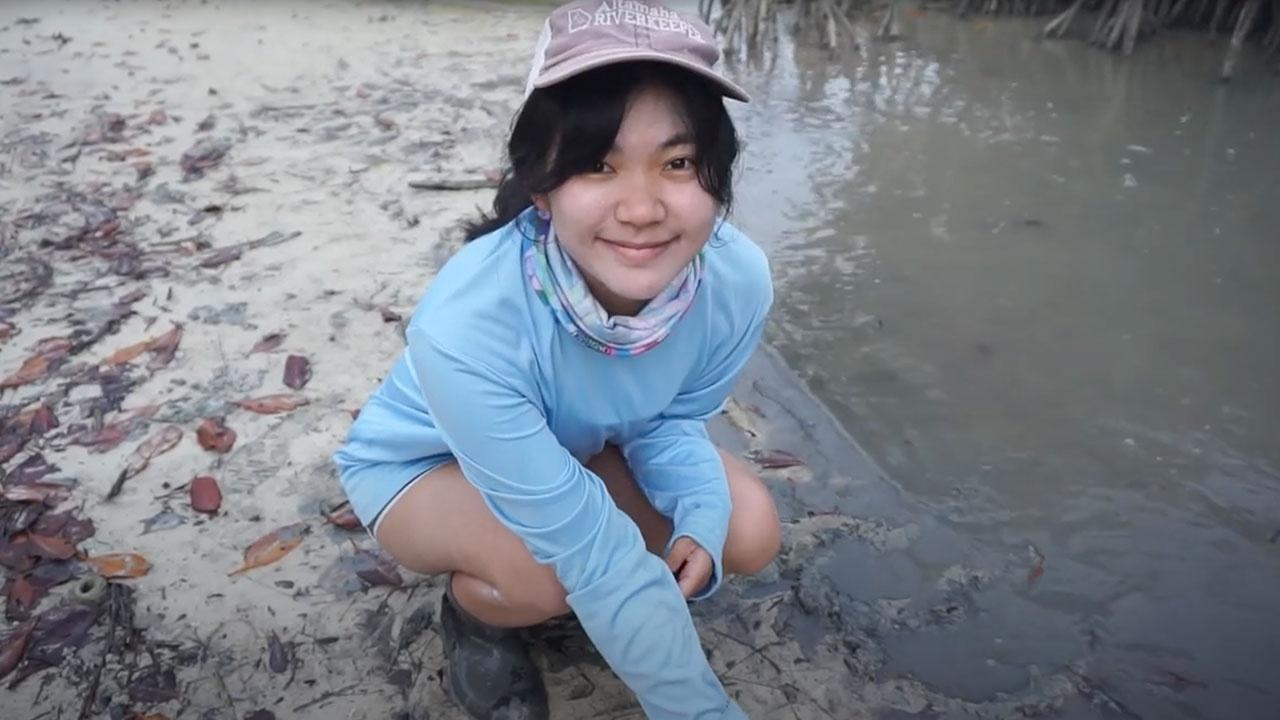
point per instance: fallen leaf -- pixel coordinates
(277, 655)
(119, 565)
(66, 525)
(155, 684)
(297, 371)
(52, 547)
(100, 441)
(1034, 574)
(205, 154)
(46, 493)
(15, 553)
(164, 520)
(219, 257)
(389, 315)
(206, 497)
(206, 124)
(271, 404)
(268, 343)
(22, 594)
(30, 470)
(41, 579)
(343, 516)
(128, 354)
(260, 714)
(10, 445)
(1169, 678)
(377, 569)
(158, 117)
(33, 368)
(60, 629)
(159, 443)
(272, 546)
(1037, 565)
(15, 646)
(164, 347)
(36, 419)
(214, 435)
(774, 459)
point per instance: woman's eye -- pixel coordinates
(600, 167)
(681, 163)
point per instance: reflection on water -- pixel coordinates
(1041, 285)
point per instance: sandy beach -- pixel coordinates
(191, 194)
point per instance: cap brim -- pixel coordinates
(591, 61)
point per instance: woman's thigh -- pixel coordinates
(441, 524)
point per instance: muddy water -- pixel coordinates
(1041, 286)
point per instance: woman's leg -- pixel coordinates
(442, 525)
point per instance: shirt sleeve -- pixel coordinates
(625, 597)
(676, 465)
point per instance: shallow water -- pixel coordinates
(1038, 283)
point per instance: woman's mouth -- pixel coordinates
(637, 253)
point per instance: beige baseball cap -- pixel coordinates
(588, 34)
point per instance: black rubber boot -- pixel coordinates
(491, 674)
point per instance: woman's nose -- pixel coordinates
(640, 204)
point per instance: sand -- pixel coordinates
(321, 114)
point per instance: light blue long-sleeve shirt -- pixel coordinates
(490, 379)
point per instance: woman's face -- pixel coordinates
(635, 222)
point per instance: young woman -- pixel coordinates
(542, 439)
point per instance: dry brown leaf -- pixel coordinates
(128, 354)
(219, 257)
(343, 516)
(15, 647)
(33, 368)
(164, 347)
(377, 568)
(34, 420)
(389, 315)
(297, 371)
(271, 404)
(52, 547)
(268, 343)
(216, 436)
(206, 496)
(159, 443)
(272, 546)
(774, 459)
(119, 565)
(46, 493)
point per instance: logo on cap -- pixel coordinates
(579, 19)
(630, 12)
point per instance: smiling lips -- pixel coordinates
(632, 254)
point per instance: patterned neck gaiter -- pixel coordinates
(555, 278)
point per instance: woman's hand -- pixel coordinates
(690, 563)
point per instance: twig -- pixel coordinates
(327, 696)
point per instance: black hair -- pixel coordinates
(566, 129)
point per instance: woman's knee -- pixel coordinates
(534, 588)
(755, 533)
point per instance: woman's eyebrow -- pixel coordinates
(681, 138)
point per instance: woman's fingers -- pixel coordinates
(679, 552)
(695, 573)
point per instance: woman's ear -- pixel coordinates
(541, 203)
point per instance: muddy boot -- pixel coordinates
(491, 674)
